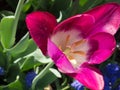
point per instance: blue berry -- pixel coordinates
(29, 78)
(111, 73)
(107, 85)
(2, 72)
(112, 68)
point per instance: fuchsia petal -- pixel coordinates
(87, 75)
(107, 18)
(103, 46)
(41, 25)
(59, 58)
(90, 77)
(81, 22)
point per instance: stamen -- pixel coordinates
(71, 57)
(67, 40)
(77, 43)
(79, 52)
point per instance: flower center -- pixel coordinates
(73, 46)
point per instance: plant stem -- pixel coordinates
(66, 88)
(41, 74)
(17, 14)
(18, 10)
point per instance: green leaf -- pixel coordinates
(1, 88)
(83, 2)
(5, 13)
(48, 78)
(85, 5)
(3, 60)
(7, 33)
(41, 74)
(28, 50)
(16, 85)
(4, 88)
(20, 47)
(29, 63)
(27, 5)
(55, 72)
(12, 73)
(39, 56)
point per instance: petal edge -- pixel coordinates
(40, 26)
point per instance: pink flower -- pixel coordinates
(79, 42)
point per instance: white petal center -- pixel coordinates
(73, 46)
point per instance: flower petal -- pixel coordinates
(90, 77)
(103, 46)
(41, 25)
(81, 22)
(59, 58)
(107, 18)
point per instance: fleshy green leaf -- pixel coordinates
(61, 4)
(55, 72)
(86, 4)
(83, 2)
(20, 47)
(27, 5)
(6, 33)
(29, 63)
(48, 78)
(30, 49)
(2, 59)
(5, 13)
(37, 54)
(16, 85)
(12, 73)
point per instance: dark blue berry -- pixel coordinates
(29, 78)
(111, 73)
(2, 72)
(112, 68)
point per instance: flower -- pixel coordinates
(2, 72)
(29, 78)
(79, 42)
(77, 85)
(111, 73)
